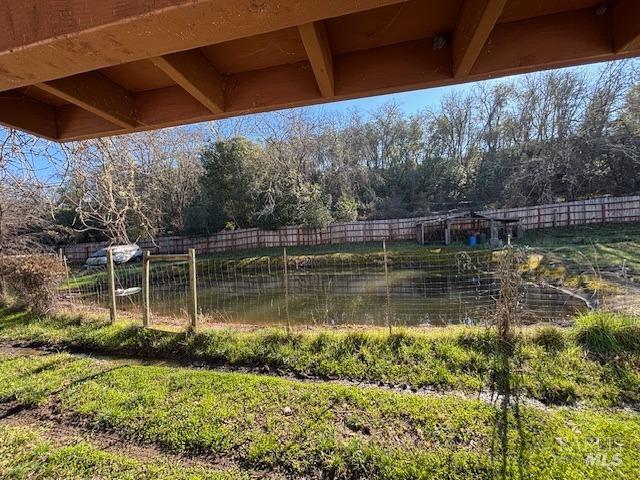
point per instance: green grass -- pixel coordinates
(555, 366)
(26, 454)
(571, 253)
(607, 335)
(323, 430)
(29, 381)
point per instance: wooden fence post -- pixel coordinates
(111, 282)
(286, 288)
(447, 232)
(193, 289)
(386, 279)
(66, 269)
(146, 309)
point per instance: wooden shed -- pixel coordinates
(77, 69)
(459, 227)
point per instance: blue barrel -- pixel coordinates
(473, 240)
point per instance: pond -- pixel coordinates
(416, 297)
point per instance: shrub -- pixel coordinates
(315, 207)
(607, 334)
(346, 209)
(549, 338)
(33, 280)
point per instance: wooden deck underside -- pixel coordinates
(76, 69)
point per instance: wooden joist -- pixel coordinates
(477, 20)
(193, 72)
(314, 38)
(96, 94)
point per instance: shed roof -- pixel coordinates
(468, 215)
(75, 69)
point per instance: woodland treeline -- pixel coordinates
(539, 138)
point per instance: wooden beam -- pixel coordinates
(626, 25)
(477, 20)
(42, 40)
(24, 113)
(316, 43)
(193, 72)
(558, 40)
(97, 94)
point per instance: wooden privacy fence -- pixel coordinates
(582, 212)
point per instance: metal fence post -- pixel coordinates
(193, 289)
(286, 288)
(146, 309)
(111, 282)
(386, 279)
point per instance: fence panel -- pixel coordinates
(584, 212)
(421, 289)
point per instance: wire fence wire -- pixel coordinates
(437, 288)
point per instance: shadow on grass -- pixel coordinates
(15, 407)
(509, 454)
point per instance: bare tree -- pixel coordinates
(103, 192)
(30, 169)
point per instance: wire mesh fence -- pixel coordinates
(430, 287)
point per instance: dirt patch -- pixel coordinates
(12, 351)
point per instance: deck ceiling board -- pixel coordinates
(36, 93)
(138, 76)
(173, 62)
(579, 36)
(412, 20)
(282, 47)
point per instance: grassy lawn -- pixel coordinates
(292, 429)
(594, 363)
(25, 453)
(454, 402)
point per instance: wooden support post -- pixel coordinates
(386, 279)
(146, 309)
(286, 288)
(193, 289)
(66, 269)
(495, 237)
(447, 233)
(111, 279)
